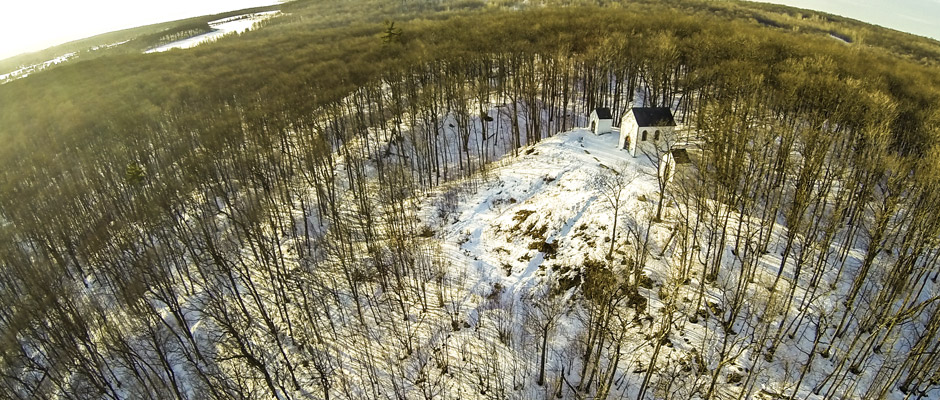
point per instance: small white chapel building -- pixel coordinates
(601, 121)
(645, 126)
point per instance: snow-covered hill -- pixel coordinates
(535, 226)
(534, 223)
(544, 194)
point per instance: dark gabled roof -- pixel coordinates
(680, 156)
(603, 113)
(653, 116)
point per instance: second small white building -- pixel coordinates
(601, 121)
(644, 127)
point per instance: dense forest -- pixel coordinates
(247, 218)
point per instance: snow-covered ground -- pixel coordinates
(548, 186)
(221, 27)
(546, 194)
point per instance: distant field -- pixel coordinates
(123, 41)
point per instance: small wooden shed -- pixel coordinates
(672, 161)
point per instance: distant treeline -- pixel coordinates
(171, 35)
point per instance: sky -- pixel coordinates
(32, 25)
(920, 17)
